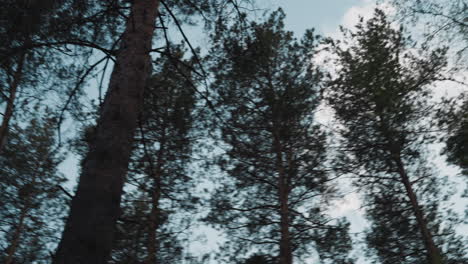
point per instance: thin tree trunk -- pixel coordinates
(136, 245)
(285, 243)
(433, 253)
(285, 256)
(24, 213)
(11, 101)
(89, 230)
(156, 191)
(16, 237)
(154, 225)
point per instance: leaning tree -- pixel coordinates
(89, 230)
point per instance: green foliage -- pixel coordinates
(160, 168)
(31, 203)
(267, 90)
(133, 229)
(259, 259)
(381, 97)
(441, 20)
(47, 48)
(454, 117)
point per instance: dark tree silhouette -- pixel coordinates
(89, 230)
(381, 98)
(275, 198)
(31, 201)
(160, 207)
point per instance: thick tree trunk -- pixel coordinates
(11, 101)
(285, 256)
(89, 230)
(433, 253)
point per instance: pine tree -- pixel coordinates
(45, 45)
(444, 21)
(133, 234)
(160, 206)
(31, 202)
(381, 98)
(259, 259)
(275, 197)
(89, 230)
(454, 118)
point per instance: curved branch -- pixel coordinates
(73, 93)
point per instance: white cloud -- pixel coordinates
(349, 203)
(351, 17)
(350, 206)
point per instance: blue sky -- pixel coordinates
(323, 15)
(326, 16)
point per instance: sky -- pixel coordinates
(325, 16)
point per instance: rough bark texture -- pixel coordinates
(11, 101)
(433, 253)
(89, 230)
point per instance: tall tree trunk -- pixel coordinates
(11, 101)
(156, 191)
(89, 230)
(433, 253)
(285, 242)
(153, 224)
(285, 256)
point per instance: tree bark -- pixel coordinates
(433, 253)
(89, 230)
(156, 191)
(11, 101)
(285, 242)
(285, 256)
(154, 224)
